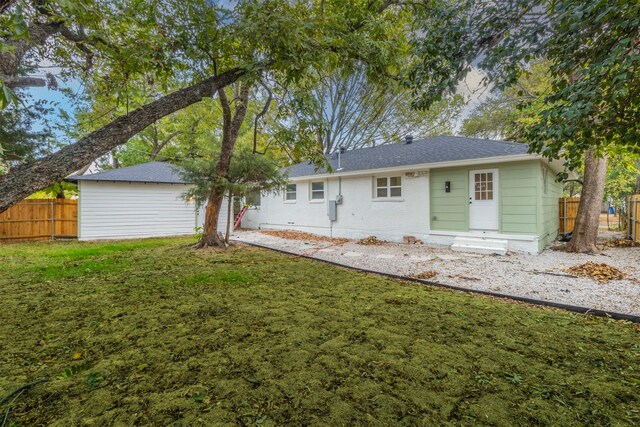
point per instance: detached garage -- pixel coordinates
(138, 201)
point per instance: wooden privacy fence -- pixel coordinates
(40, 219)
(633, 216)
(568, 211)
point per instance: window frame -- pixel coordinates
(251, 206)
(312, 191)
(287, 192)
(387, 187)
(484, 188)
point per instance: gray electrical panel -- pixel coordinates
(332, 210)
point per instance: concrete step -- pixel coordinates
(480, 245)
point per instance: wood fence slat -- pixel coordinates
(40, 219)
(567, 212)
(633, 213)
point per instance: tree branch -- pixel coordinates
(261, 114)
(26, 179)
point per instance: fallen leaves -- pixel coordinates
(371, 240)
(299, 235)
(600, 272)
(622, 243)
(426, 275)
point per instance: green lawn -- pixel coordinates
(153, 332)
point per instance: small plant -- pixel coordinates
(513, 378)
(72, 371)
(197, 233)
(482, 378)
(93, 379)
(199, 398)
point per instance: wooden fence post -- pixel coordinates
(53, 221)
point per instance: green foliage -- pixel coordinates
(19, 141)
(64, 188)
(513, 378)
(248, 173)
(93, 379)
(197, 233)
(502, 115)
(72, 371)
(594, 95)
(12, 26)
(622, 172)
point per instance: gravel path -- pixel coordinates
(513, 274)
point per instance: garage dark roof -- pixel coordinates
(437, 149)
(155, 172)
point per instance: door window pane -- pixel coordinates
(483, 186)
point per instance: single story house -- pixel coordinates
(472, 194)
(138, 201)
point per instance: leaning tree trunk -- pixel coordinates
(585, 232)
(231, 124)
(31, 177)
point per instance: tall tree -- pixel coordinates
(211, 45)
(594, 102)
(248, 172)
(350, 110)
(505, 113)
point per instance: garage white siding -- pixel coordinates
(122, 210)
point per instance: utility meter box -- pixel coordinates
(332, 210)
(339, 199)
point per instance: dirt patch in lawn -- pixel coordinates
(158, 334)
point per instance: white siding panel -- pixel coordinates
(358, 216)
(117, 210)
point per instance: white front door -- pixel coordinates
(483, 199)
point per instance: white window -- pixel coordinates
(390, 186)
(290, 192)
(253, 199)
(317, 190)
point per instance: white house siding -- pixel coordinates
(121, 210)
(360, 214)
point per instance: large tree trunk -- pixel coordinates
(585, 232)
(231, 124)
(29, 178)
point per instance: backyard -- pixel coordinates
(153, 332)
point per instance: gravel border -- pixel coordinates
(539, 277)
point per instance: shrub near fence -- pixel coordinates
(568, 211)
(40, 219)
(633, 217)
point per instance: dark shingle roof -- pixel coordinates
(156, 172)
(429, 150)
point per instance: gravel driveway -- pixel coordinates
(514, 274)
